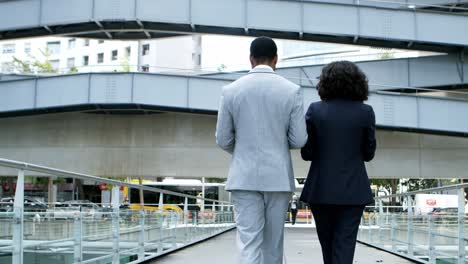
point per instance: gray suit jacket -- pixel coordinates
(260, 118)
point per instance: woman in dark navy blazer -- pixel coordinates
(341, 132)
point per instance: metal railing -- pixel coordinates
(112, 235)
(428, 229)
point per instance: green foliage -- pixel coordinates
(73, 70)
(22, 66)
(125, 64)
(215, 180)
(386, 55)
(33, 64)
(222, 67)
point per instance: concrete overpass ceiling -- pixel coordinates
(337, 21)
(183, 145)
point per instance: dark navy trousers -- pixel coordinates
(337, 228)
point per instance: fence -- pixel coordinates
(430, 232)
(113, 235)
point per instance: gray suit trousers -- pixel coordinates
(260, 220)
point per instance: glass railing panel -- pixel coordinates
(6, 236)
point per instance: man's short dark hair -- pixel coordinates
(263, 48)
(343, 80)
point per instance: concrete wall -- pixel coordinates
(183, 145)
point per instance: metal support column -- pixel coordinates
(213, 211)
(18, 227)
(115, 224)
(410, 234)
(203, 195)
(161, 202)
(186, 218)
(461, 226)
(185, 211)
(432, 253)
(380, 221)
(78, 236)
(394, 226)
(161, 223)
(369, 230)
(141, 238)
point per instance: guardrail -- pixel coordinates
(428, 233)
(106, 236)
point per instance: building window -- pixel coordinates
(53, 46)
(100, 41)
(114, 55)
(146, 49)
(55, 65)
(70, 63)
(85, 60)
(145, 68)
(128, 51)
(71, 43)
(86, 42)
(9, 48)
(27, 48)
(100, 58)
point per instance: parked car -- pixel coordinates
(72, 209)
(445, 215)
(31, 204)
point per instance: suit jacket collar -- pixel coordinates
(262, 68)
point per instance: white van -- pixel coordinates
(425, 203)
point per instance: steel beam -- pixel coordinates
(364, 23)
(418, 112)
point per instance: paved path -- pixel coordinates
(302, 246)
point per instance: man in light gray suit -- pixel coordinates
(260, 119)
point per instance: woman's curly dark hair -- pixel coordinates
(343, 80)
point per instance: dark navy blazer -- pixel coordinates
(341, 139)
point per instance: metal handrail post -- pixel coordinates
(461, 226)
(380, 220)
(410, 234)
(18, 223)
(213, 211)
(394, 225)
(115, 224)
(161, 202)
(186, 215)
(369, 231)
(173, 215)
(78, 235)
(161, 232)
(141, 238)
(432, 253)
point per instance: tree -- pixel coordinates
(386, 55)
(389, 184)
(22, 66)
(222, 67)
(125, 64)
(73, 70)
(33, 64)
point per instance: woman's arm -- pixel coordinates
(369, 141)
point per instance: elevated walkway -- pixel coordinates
(369, 23)
(301, 246)
(158, 92)
(433, 72)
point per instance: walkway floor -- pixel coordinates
(302, 246)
